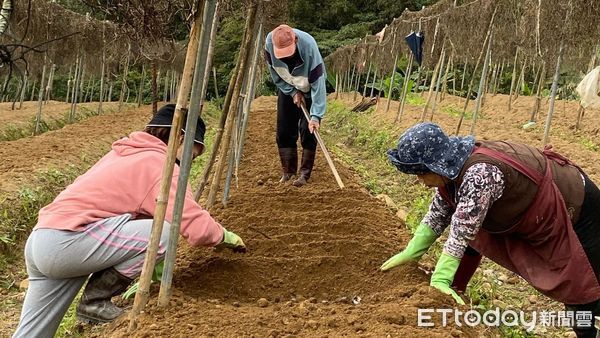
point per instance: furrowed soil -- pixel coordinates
(76, 146)
(70, 145)
(52, 110)
(312, 263)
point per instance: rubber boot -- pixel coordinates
(289, 163)
(95, 305)
(306, 166)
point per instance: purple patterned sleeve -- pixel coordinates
(482, 185)
(439, 214)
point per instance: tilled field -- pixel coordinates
(312, 264)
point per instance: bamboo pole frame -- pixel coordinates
(162, 200)
(471, 82)
(405, 83)
(482, 84)
(224, 149)
(196, 101)
(553, 93)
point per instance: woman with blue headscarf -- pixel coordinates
(532, 211)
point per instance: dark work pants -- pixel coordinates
(587, 229)
(291, 122)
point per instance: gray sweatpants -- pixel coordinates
(59, 262)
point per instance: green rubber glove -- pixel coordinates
(417, 246)
(443, 275)
(231, 241)
(156, 277)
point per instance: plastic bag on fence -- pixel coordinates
(589, 89)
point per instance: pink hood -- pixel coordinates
(127, 180)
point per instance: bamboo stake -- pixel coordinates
(521, 80)
(431, 86)
(373, 84)
(405, 83)
(219, 135)
(498, 80)
(482, 82)
(439, 81)
(141, 296)
(387, 107)
(141, 88)
(367, 79)
(38, 116)
(23, 90)
(462, 82)
(357, 87)
(166, 86)
(93, 87)
(81, 84)
(50, 83)
(102, 79)
(76, 88)
(69, 81)
(581, 110)
(337, 88)
(124, 78)
(214, 71)
(244, 55)
(110, 90)
(196, 101)
(471, 82)
(252, 89)
(103, 70)
(351, 82)
(33, 90)
(153, 84)
(445, 79)
(553, 93)
(243, 113)
(538, 94)
(513, 81)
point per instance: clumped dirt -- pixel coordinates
(70, 145)
(312, 251)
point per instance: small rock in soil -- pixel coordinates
(313, 324)
(455, 333)
(533, 299)
(236, 304)
(263, 302)
(24, 284)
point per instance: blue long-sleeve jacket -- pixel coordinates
(309, 76)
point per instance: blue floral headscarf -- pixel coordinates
(425, 148)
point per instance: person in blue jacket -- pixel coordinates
(297, 69)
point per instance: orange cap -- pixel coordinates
(284, 41)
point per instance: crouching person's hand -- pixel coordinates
(231, 241)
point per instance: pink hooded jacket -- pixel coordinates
(127, 180)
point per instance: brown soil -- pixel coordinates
(311, 251)
(50, 111)
(497, 123)
(70, 145)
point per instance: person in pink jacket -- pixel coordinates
(101, 224)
